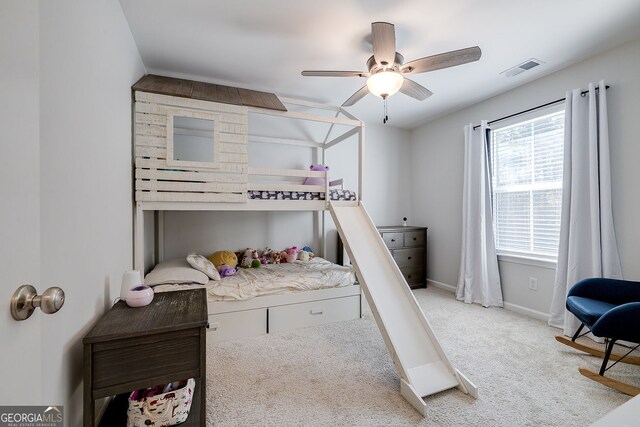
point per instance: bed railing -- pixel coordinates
(293, 180)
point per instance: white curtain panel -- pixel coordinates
(479, 279)
(587, 239)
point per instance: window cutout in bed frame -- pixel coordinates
(193, 139)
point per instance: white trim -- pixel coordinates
(507, 305)
(442, 285)
(530, 261)
(526, 311)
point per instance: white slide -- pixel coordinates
(416, 353)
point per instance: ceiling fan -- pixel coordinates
(387, 68)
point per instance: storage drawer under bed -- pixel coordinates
(237, 324)
(294, 316)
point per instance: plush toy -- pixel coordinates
(250, 259)
(308, 250)
(226, 271)
(276, 257)
(266, 255)
(292, 254)
(246, 258)
(316, 180)
(223, 257)
(303, 256)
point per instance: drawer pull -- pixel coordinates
(214, 326)
(316, 311)
(393, 240)
(408, 257)
(409, 276)
(415, 238)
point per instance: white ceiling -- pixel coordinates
(264, 45)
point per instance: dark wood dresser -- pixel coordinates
(408, 246)
(135, 348)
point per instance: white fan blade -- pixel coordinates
(361, 93)
(335, 73)
(383, 37)
(414, 90)
(443, 60)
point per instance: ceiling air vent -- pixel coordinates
(521, 68)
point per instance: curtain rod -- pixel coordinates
(584, 92)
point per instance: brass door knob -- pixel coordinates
(25, 300)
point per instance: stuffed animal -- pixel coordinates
(303, 256)
(266, 255)
(292, 254)
(224, 257)
(250, 259)
(276, 257)
(226, 271)
(308, 250)
(316, 180)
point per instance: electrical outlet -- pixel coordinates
(533, 283)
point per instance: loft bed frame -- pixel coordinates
(161, 186)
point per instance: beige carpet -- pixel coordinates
(341, 374)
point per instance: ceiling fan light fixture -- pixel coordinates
(385, 83)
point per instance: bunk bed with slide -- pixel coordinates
(191, 149)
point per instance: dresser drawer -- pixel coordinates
(413, 275)
(237, 324)
(409, 257)
(393, 240)
(414, 238)
(286, 317)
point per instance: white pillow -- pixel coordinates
(175, 271)
(201, 263)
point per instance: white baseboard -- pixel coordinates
(507, 305)
(442, 285)
(527, 311)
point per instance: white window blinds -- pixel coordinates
(526, 179)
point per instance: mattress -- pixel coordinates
(334, 194)
(271, 279)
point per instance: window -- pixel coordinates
(526, 178)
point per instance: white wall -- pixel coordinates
(437, 161)
(88, 61)
(386, 196)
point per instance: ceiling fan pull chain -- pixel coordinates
(385, 119)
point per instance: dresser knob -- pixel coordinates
(409, 258)
(415, 238)
(393, 240)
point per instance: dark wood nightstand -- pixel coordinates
(134, 348)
